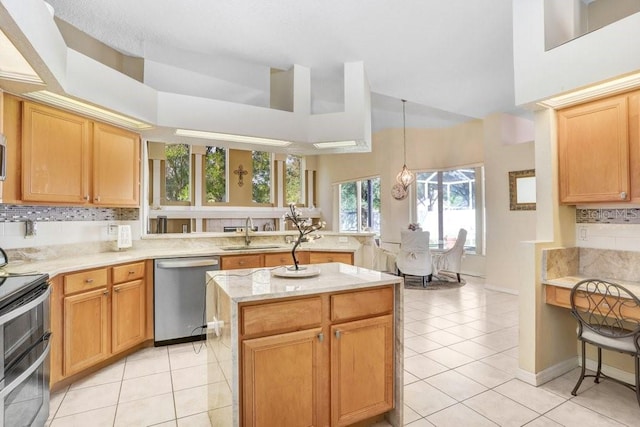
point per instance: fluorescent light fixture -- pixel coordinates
(231, 137)
(334, 144)
(87, 109)
(13, 66)
(611, 87)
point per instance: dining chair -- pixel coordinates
(451, 259)
(608, 317)
(414, 256)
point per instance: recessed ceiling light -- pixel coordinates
(87, 109)
(232, 138)
(334, 144)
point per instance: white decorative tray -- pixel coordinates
(304, 271)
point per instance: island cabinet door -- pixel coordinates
(361, 369)
(282, 379)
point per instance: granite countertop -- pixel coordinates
(570, 281)
(261, 283)
(77, 262)
(564, 267)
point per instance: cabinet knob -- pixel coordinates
(88, 280)
(105, 293)
(337, 334)
(241, 262)
(623, 195)
(116, 290)
(320, 337)
(132, 272)
(97, 198)
(86, 197)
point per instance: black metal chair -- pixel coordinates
(605, 313)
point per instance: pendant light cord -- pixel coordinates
(404, 132)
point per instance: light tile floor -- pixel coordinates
(461, 349)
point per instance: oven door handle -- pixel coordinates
(24, 308)
(30, 370)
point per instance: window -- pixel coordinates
(261, 177)
(360, 205)
(293, 179)
(215, 175)
(177, 174)
(446, 202)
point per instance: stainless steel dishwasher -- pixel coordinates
(179, 298)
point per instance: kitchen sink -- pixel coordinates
(250, 247)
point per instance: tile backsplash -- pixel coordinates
(608, 216)
(17, 213)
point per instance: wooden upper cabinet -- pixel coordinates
(116, 166)
(593, 150)
(55, 155)
(70, 159)
(634, 145)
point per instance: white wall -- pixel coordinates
(505, 229)
(49, 233)
(427, 149)
(490, 142)
(600, 55)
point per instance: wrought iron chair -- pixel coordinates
(451, 259)
(603, 311)
(414, 257)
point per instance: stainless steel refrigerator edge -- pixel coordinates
(179, 298)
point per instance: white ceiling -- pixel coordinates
(451, 60)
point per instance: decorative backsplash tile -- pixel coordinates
(608, 216)
(17, 213)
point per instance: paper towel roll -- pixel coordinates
(124, 236)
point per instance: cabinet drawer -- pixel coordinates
(125, 273)
(240, 261)
(85, 280)
(556, 295)
(284, 258)
(284, 316)
(359, 304)
(281, 258)
(320, 257)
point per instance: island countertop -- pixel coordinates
(261, 283)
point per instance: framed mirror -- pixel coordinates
(522, 190)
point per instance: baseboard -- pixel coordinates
(501, 289)
(548, 374)
(610, 371)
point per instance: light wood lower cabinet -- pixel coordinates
(322, 257)
(282, 379)
(128, 315)
(86, 330)
(274, 259)
(361, 369)
(232, 262)
(102, 313)
(284, 258)
(314, 371)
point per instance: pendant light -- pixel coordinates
(405, 177)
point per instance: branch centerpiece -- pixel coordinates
(305, 227)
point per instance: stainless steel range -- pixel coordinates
(24, 345)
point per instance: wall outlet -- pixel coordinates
(112, 229)
(343, 239)
(583, 234)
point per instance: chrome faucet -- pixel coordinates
(248, 225)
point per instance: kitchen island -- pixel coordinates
(320, 350)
